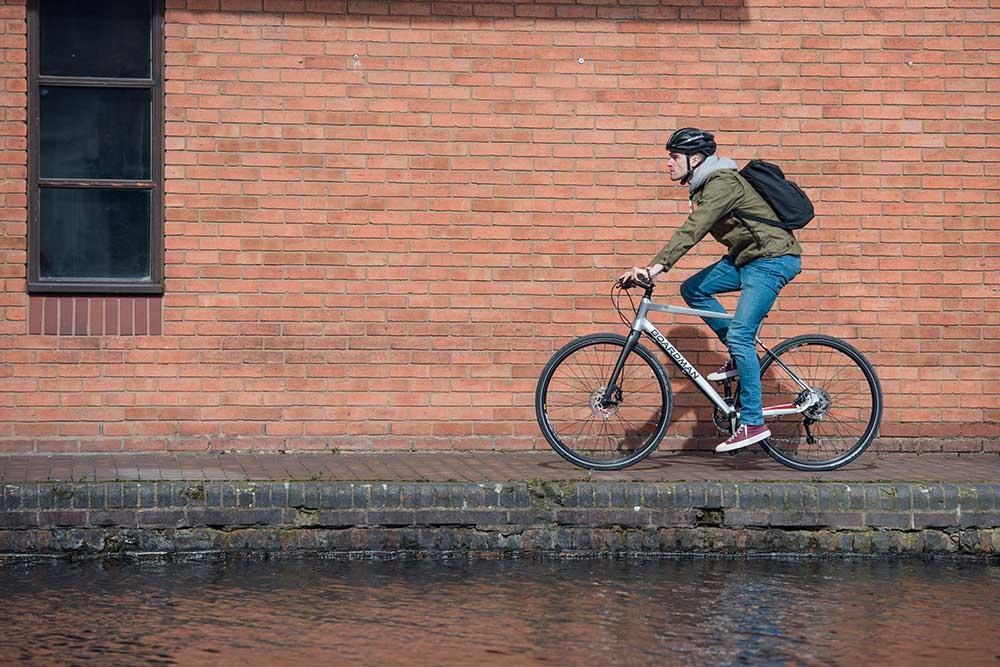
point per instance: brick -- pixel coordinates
(213, 517)
(740, 518)
(161, 518)
(987, 496)
(19, 519)
(9, 498)
(839, 519)
(246, 496)
(343, 518)
(935, 519)
(55, 496)
(434, 517)
(296, 495)
(147, 495)
(980, 520)
(360, 496)
(130, 495)
(894, 520)
(214, 492)
(117, 518)
(339, 497)
(97, 496)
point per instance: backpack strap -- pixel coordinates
(756, 218)
(740, 215)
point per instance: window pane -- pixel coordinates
(95, 132)
(90, 233)
(110, 38)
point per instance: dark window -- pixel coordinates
(105, 39)
(95, 232)
(95, 133)
(96, 137)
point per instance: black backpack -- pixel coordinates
(789, 202)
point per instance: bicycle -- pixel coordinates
(604, 401)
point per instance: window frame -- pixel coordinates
(154, 285)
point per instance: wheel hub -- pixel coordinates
(599, 408)
(821, 404)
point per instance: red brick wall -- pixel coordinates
(383, 217)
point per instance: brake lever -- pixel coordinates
(629, 283)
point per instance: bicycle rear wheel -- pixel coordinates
(844, 420)
(581, 429)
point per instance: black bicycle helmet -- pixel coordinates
(691, 141)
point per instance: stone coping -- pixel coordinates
(480, 467)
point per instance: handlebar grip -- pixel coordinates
(628, 283)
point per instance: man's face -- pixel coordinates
(678, 165)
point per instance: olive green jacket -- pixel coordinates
(724, 192)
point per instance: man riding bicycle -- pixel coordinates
(761, 260)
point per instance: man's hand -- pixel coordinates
(642, 275)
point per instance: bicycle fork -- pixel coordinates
(612, 392)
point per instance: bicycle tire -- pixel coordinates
(579, 370)
(848, 418)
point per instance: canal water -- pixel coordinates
(514, 612)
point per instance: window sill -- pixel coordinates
(84, 288)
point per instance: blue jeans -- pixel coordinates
(759, 283)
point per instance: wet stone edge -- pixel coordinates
(67, 519)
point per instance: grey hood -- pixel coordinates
(711, 165)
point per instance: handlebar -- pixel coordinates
(629, 283)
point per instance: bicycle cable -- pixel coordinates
(616, 302)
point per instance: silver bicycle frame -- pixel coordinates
(641, 325)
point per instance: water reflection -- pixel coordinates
(487, 612)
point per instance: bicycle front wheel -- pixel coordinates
(577, 424)
(847, 408)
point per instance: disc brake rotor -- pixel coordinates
(597, 407)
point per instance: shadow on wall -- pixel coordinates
(601, 10)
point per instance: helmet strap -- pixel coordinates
(690, 169)
(690, 172)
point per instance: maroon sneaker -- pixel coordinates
(744, 437)
(728, 370)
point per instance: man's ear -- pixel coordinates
(697, 159)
